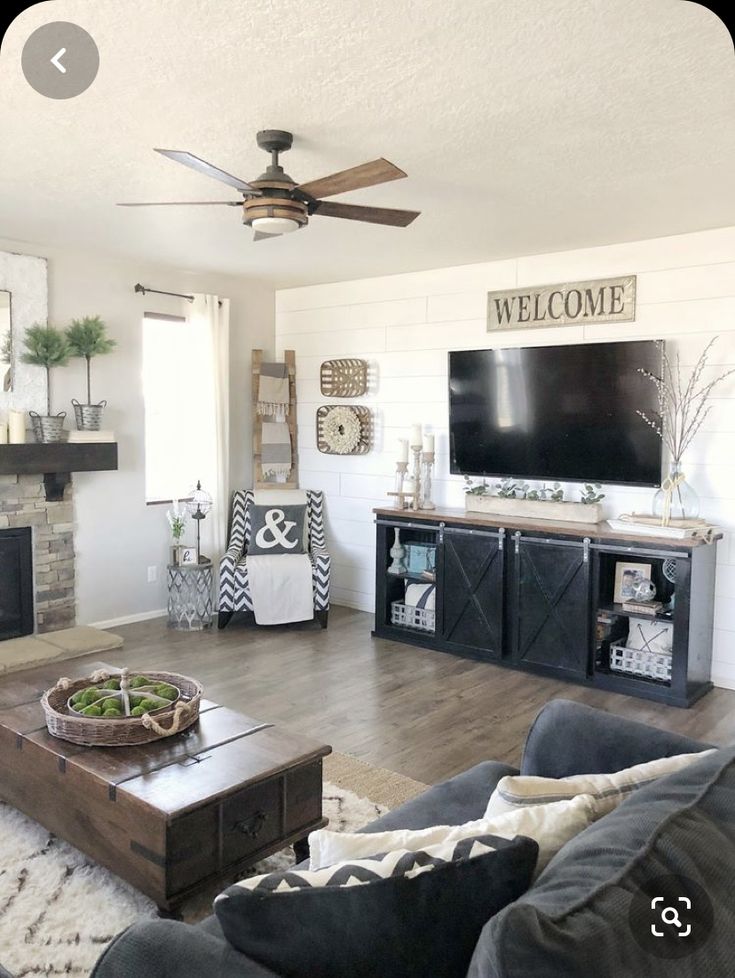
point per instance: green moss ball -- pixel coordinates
(137, 711)
(77, 697)
(111, 684)
(112, 711)
(148, 705)
(167, 692)
(139, 681)
(92, 711)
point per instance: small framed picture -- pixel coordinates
(188, 555)
(626, 577)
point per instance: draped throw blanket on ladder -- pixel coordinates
(275, 452)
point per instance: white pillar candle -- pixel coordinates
(416, 436)
(17, 427)
(3, 433)
(428, 443)
(403, 449)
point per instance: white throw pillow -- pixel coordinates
(516, 792)
(552, 826)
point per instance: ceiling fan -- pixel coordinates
(274, 204)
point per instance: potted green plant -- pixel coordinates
(88, 338)
(46, 346)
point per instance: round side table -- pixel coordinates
(190, 598)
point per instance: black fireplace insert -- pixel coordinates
(16, 582)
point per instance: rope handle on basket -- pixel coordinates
(97, 677)
(150, 724)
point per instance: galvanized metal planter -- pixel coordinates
(47, 428)
(88, 416)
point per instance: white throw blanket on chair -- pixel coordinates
(281, 584)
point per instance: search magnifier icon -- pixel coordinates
(670, 915)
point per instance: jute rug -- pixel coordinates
(67, 643)
(59, 910)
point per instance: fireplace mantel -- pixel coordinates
(56, 461)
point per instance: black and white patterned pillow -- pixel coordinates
(401, 862)
(398, 914)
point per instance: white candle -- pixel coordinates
(428, 443)
(403, 449)
(416, 436)
(3, 433)
(17, 427)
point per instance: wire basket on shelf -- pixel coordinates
(123, 731)
(409, 616)
(641, 662)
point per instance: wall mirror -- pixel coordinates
(23, 302)
(6, 344)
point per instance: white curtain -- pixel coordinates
(213, 314)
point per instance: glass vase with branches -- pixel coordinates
(683, 407)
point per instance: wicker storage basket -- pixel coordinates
(409, 616)
(122, 731)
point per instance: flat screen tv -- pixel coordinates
(565, 413)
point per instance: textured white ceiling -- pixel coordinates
(524, 127)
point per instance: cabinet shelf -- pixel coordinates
(530, 600)
(412, 576)
(617, 609)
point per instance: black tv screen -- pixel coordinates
(565, 413)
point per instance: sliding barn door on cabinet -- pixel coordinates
(473, 573)
(550, 604)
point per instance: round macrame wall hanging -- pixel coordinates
(343, 429)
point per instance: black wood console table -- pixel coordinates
(539, 595)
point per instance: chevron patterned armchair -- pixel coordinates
(234, 589)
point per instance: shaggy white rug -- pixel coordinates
(59, 910)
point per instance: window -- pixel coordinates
(178, 390)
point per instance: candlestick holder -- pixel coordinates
(399, 494)
(416, 449)
(427, 464)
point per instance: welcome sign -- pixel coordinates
(603, 300)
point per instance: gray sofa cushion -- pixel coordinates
(574, 921)
(569, 738)
(169, 949)
(396, 927)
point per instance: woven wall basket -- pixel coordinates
(122, 731)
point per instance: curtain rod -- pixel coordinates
(179, 295)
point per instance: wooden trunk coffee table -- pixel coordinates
(169, 817)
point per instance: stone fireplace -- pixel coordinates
(23, 503)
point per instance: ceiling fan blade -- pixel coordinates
(201, 166)
(372, 215)
(357, 177)
(186, 203)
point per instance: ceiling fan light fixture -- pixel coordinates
(274, 225)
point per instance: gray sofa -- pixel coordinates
(574, 921)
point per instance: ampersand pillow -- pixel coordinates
(277, 530)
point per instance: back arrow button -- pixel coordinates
(56, 60)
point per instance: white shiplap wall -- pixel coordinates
(405, 324)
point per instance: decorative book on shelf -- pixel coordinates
(85, 437)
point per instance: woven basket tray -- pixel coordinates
(123, 731)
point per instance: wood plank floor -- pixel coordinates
(425, 714)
